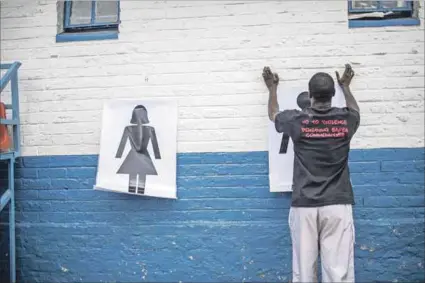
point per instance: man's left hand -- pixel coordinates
(346, 78)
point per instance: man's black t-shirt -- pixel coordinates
(321, 145)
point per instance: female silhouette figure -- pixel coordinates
(138, 162)
(303, 101)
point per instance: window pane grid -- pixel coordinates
(93, 22)
(380, 6)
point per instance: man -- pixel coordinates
(322, 198)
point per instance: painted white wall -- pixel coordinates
(209, 55)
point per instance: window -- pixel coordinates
(89, 20)
(382, 13)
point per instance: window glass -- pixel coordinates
(365, 5)
(393, 4)
(80, 12)
(106, 12)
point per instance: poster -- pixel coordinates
(138, 148)
(281, 148)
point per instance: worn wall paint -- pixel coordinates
(225, 227)
(209, 55)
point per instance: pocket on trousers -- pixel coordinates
(350, 221)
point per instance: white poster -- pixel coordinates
(138, 148)
(281, 148)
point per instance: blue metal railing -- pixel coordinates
(8, 197)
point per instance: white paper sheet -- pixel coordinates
(117, 114)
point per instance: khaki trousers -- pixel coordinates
(329, 229)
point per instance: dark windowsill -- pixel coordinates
(87, 36)
(383, 23)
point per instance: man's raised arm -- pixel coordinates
(271, 80)
(344, 82)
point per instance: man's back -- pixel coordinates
(321, 216)
(321, 146)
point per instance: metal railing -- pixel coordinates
(8, 197)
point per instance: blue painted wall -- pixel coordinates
(225, 227)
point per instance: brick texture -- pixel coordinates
(209, 55)
(225, 227)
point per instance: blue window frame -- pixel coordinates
(90, 20)
(88, 17)
(381, 13)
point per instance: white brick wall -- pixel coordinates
(209, 55)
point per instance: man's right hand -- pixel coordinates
(346, 78)
(271, 79)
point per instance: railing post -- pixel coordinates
(12, 246)
(15, 114)
(12, 76)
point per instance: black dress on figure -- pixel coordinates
(303, 101)
(138, 163)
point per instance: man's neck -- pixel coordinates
(320, 105)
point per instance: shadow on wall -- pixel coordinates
(225, 227)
